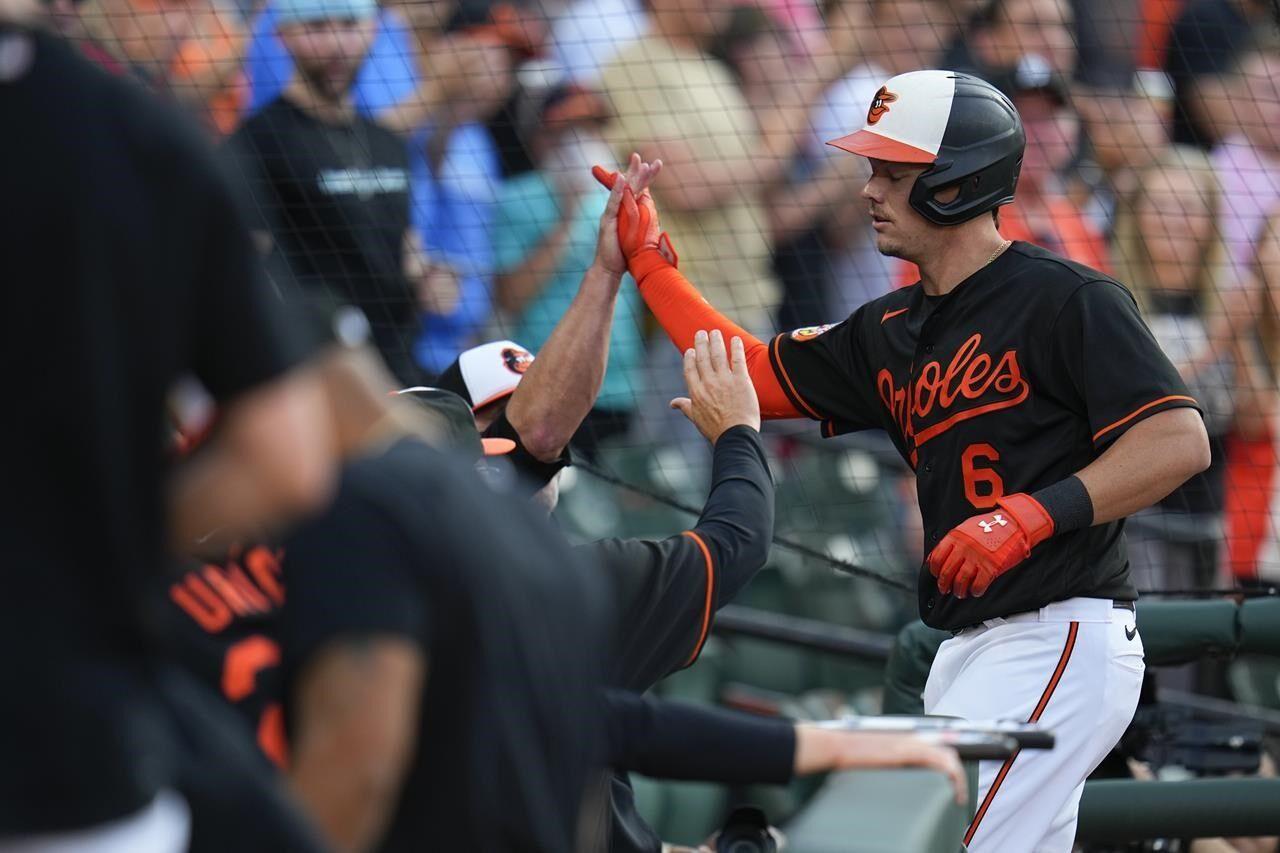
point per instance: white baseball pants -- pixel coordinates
(1076, 668)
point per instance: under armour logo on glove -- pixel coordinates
(965, 563)
(988, 526)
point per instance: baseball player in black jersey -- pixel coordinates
(1036, 410)
(666, 591)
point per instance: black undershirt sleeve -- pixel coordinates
(676, 740)
(534, 473)
(670, 589)
(737, 520)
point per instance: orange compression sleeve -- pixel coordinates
(682, 313)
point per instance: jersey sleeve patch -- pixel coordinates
(808, 333)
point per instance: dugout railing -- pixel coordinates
(909, 811)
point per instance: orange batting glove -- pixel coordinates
(637, 221)
(982, 548)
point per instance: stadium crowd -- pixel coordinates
(1152, 154)
(415, 180)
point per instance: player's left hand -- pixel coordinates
(982, 548)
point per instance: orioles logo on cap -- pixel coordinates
(808, 333)
(880, 104)
(517, 360)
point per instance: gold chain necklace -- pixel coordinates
(1004, 244)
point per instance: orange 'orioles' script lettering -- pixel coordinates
(971, 376)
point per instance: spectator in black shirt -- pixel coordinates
(127, 265)
(332, 186)
(1208, 41)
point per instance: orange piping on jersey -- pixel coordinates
(708, 601)
(1140, 410)
(889, 315)
(804, 404)
(942, 426)
(1035, 717)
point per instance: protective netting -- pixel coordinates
(456, 207)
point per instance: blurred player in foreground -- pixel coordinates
(127, 266)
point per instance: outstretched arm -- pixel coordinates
(677, 740)
(736, 524)
(564, 380)
(678, 306)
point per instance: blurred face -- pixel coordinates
(424, 15)
(1126, 132)
(900, 231)
(765, 62)
(1041, 27)
(1260, 91)
(1176, 223)
(150, 32)
(910, 34)
(1052, 131)
(698, 20)
(567, 154)
(62, 15)
(328, 53)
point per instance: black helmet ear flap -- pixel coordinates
(978, 191)
(980, 155)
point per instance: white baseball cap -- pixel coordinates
(485, 374)
(907, 119)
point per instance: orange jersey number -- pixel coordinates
(240, 669)
(982, 486)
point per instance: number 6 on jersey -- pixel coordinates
(986, 477)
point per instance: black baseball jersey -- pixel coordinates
(514, 627)
(668, 591)
(335, 199)
(1017, 379)
(127, 265)
(223, 621)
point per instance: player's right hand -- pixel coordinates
(721, 395)
(819, 750)
(983, 547)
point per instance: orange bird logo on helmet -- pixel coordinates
(517, 360)
(880, 104)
